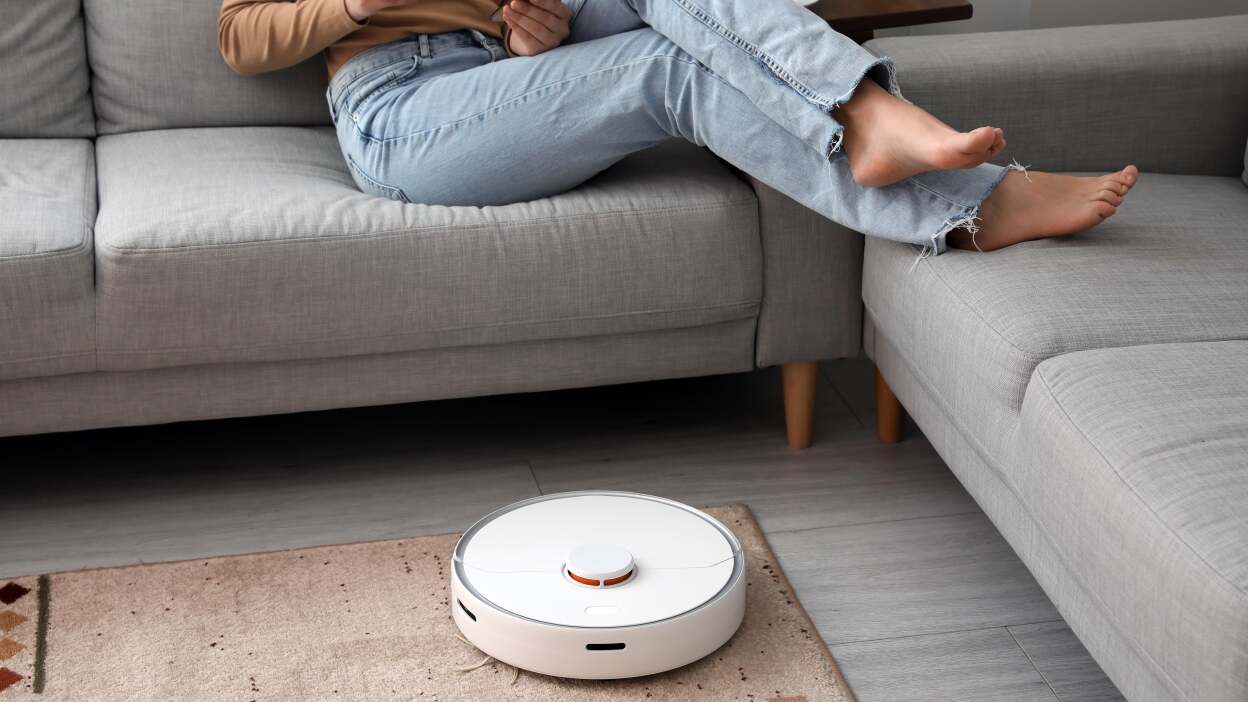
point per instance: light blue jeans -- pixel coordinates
(450, 119)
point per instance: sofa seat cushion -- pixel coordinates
(253, 244)
(1134, 463)
(47, 301)
(1169, 267)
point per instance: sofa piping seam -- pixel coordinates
(743, 306)
(49, 357)
(396, 232)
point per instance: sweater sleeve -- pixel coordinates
(256, 36)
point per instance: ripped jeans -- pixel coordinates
(450, 119)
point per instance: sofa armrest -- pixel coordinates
(812, 283)
(1168, 96)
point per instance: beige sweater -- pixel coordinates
(264, 35)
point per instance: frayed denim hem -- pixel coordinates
(966, 219)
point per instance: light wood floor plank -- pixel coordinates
(969, 666)
(92, 515)
(1065, 663)
(850, 480)
(910, 577)
(881, 541)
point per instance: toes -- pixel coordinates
(1114, 186)
(1104, 210)
(1110, 196)
(1130, 174)
(1126, 178)
(978, 141)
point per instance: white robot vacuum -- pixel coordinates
(598, 584)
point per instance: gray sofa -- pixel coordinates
(1092, 393)
(178, 242)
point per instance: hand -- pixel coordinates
(536, 25)
(361, 10)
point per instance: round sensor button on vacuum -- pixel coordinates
(600, 565)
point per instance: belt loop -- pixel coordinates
(423, 41)
(329, 99)
(490, 44)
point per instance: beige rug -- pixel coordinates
(363, 621)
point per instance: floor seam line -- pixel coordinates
(879, 521)
(533, 474)
(942, 633)
(1034, 667)
(845, 402)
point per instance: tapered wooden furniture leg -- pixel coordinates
(799, 401)
(890, 417)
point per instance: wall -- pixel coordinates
(994, 15)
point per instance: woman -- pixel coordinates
(461, 102)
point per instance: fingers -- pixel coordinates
(523, 43)
(533, 11)
(546, 26)
(532, 27)
(554, 7)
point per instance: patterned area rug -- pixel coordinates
(367, 621)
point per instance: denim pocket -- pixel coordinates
(382, 79)
(372, 186)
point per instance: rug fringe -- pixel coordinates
(515, 672)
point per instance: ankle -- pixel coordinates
(865, 100)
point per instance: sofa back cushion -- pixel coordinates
(43, 70)
(1170, 97)
(156, 65)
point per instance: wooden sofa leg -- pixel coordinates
(890, 416)
(799, 401)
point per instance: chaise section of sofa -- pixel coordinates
(1153, 440)
(1044, 373)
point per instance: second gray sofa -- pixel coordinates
(1092, 393)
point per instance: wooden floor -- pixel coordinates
(907, 580)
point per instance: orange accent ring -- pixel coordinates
(616, 581)
(596, 583)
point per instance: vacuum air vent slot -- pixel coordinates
(467, 611)
(604, 647)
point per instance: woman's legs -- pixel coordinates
(885, 138)
(523, 128)
(801, 74)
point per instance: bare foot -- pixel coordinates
(1034, 205)
(887, 139)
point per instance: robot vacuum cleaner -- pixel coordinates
(598, 584)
